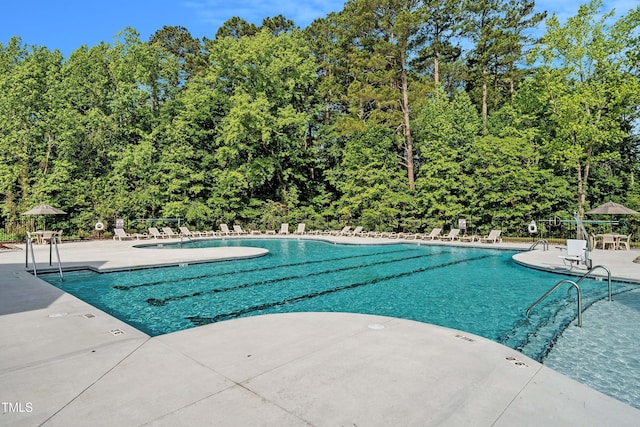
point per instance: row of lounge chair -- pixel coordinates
(435, 234)
(168, 233)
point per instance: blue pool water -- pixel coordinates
(481, 291)
(604, 352)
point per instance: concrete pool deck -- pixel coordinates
(65, 363)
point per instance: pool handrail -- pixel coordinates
(608, 278)
(572, 283)
(577, 286)
(545, 245)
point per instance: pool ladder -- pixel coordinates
(543, 242)
(52, 242)
(576, 285)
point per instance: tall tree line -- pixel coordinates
(391, 114)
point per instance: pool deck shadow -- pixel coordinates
(66, 363)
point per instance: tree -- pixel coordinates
(441, 25)
(370, 185)
(263, 134)
(178, 41)
(445, 130)
(278, 25)
(590, 91)
(235, 28)
(30, 134)
(497, 29)
(381, 35)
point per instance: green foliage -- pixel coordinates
(371, 116)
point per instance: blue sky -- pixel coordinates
(69, 24)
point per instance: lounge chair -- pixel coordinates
(156, 234)
(188, 233)
(493, 237)
(238, 230)
(345, 230)
(403, 235)
(120, 234)
(435, 233)
(380, 234)
(576, 252)
(356, 232)
(284, 228)
(170, 233)
(224, 230)
(453, 235)
(300, 229)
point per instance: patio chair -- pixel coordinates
(284, 228)
(224, 230)
(355, 232)
(188, 233)
(626, 242)
(435, 233)
(34, 236)
(300, 229)
(342, 232)
(170, 233)
(47, 236)
(120, 234)
(238, 230)
(156, 234)
(493, 237)
(609, 240)
(453, 235)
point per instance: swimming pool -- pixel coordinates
(604, 352)
(481, 291)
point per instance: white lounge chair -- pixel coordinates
(224, 229)
(300, 229)
(284, 228)
(170, 233)
(120, 234)
(576, 252)
(356, 232)
(493, 237)
(435, 233)
(238, 230)
(155, 233)
(188, 233)
(345, 230)
(453, 235)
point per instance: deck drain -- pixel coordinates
(376, 326)
(117, 332)
(88, 316)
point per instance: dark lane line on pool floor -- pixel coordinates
(201, 321)
(163, 301)
(251, 270)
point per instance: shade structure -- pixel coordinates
(612, 208)
(44, 209)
